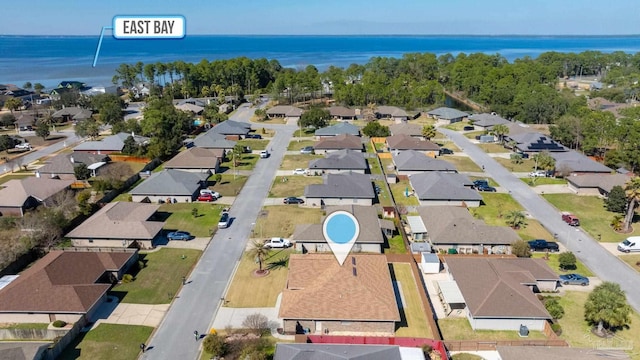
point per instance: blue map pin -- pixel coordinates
(340, 230)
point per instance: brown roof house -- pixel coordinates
(453, 227)
(197, 159)
(411, 162)
(439, 188)
(119, 225)
(16, 196)
(500, 293)
(345, 188)
(413, 130)
(406, 142)
(309, 237)
(342, 113)
(391, 112)
(63, 285)
(62, 166)
(284, 111)
(323, 297)
(339, 142)
(596, 184)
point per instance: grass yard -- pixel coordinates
(544, 181)
(296, 145)
(181, 218)
(160, 279)
(631, 260)
(414, 322)
(460, 329)
(293, 186)
(264, 132)
(17, 176)
(247, 162)
(388, 166)
(492, 148)
(463, 163)
(229, 185)
(473, 134)
(396, 246)
(277, 120)
(374, 166)
(108, 341)
(446, 143)
(466, 356)
(298, 161)
(25, 326)
(280, 220)
(457, 126)
(384, 198)
(594, 218)
(304, 133)
(245, 286)
(576, 331)
(399, 190)
(254, 144)
(526, 166)
(555, 265)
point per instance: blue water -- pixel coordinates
(49, 60)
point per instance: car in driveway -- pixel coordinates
(300, 172)
(264, 154)
(253, 136)
(538, 173)
(277, 243)
(486, 188)
(179, 235)
(206, 197)
(445, 151)
(23, 146)
(225, 220)
(574, 279)
(293, 200)
(307, 150)
(543, 245)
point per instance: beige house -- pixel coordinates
(402, 142)
(339, 142)
(19, 195)
(345, 188)
(197, 159)
(596, 184)
(322, 297)
(119, 225)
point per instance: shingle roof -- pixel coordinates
(391, 111)
(338, 129)
(573, 161)
(455, 225)
(411, 160)
(190, 107)
(332, 292)
(443, 186)
(110, 143)
(487, 120)
(344, 141)
(340, 160)
(68, 111)
(533, 141)
(447, 113)
(285, 110)
(342, 185)
(120, 220)
(336, 352)
(195, 158)
(65, 163)
(16, 192)
(341, 111)
(213, 140)
(406, 129)
(605, 182)
(367, 217)
(192, 101)
(230, 127)
(171, 182)
(62, 282)
(406, 142)
(494, 287)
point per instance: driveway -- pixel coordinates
(604, 264)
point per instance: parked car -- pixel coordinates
(293, 200)
(215, 194)
(469, 128)
(264, 154)
(277, 242)
(574, 279)
(486, 188)
(206, 197)
(543, 245)
(445, 151)
(179, 235)
(300, 172)
(570, 219)
(632, 243)
(480, 182)
(225, 220)
(307, 150)
(538, 173)
(247, 149)
(253, 136)
(23, 146)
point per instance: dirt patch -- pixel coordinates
(260, 273)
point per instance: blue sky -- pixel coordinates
(333, 17)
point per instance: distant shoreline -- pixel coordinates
(532, 36)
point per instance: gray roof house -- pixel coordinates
(284, 111)
(18, 195)
(342, 113)
(572, 162)
(338, 142)
(109, 144)
(499, 293)
(338, 129)
(437, 188)
(412, 162)
(346, 188)
(171, 186)
(533, 142)
(448, 114)
(487, 121)
(406, 142)
(454, 227)
(596, 184)
(119, 224)
(391, 112)
(213, 140)
(310, 238)
(192, 101)
(404, 128)
(230, 127)
(190, 108)
(345, 352)
(339, 161)
(197, 159)
(62, 166)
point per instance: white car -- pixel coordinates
(300, 172)
(24, 145)
(225, 220)
(264, 154)
(277, 243)
(215, 194)
(538, 173)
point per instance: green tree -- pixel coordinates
(374, 129)
(515, 219)
(215, 345)
(567, 260)
(27, 85)
(42, 129)
(217, 178)
(632, 193)
(500, 131)
(521, 248)
(258, 252)
(38, 88)
(236, 154)
(554, 308)
(544, 161)
(616, 201)
(194, 212)
(165, 125)
(88, 128)
(13, 104)
(130, 147)
(84, 205)
(607, 308)
(516, 159)
(315, 117)
(428, 132)
(81, 172)
(7, 120)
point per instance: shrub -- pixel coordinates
(554, 308)
(214, 345)
(59, 323)
(127, 278)
(556, 328)
(257, 322)
(567, 260)
(521, 248)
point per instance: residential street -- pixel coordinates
(199, 300)
(604, 264)
(70, 141)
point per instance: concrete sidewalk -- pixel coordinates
(130, 314)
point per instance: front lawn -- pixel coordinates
(463, 163)
(304, 133)
(527, 165)
(457, 126)
(399, 191)
(180, 217)
(298, 161)
(161, 277)
(594, 218)
(555, 265)
(492, 148)
(284, 186)
(460, 329)
(544, 181)
(108, 341)
(280, 220)
(414, 322)
(247, 162)
(473, 134)
(254, 144)
(247, 290)
(229, 184)
(296, 145)
(632, 260)
(490, 180)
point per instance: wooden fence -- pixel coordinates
(488, 345)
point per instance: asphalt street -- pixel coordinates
(197, 303)
(71, 140)
(604, 264)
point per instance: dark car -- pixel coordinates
(307, 150)
(293, 200)
(445, 151)
(543, 245)
(468, 128)
(486, 188)
(480, 182)
(179, 235)
(253, 136)
(574, 279)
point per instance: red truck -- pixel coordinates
(570, 219)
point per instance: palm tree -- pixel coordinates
(500, 131)
(632, 192)
(428, 132)
(515, 219)
(259, 253)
